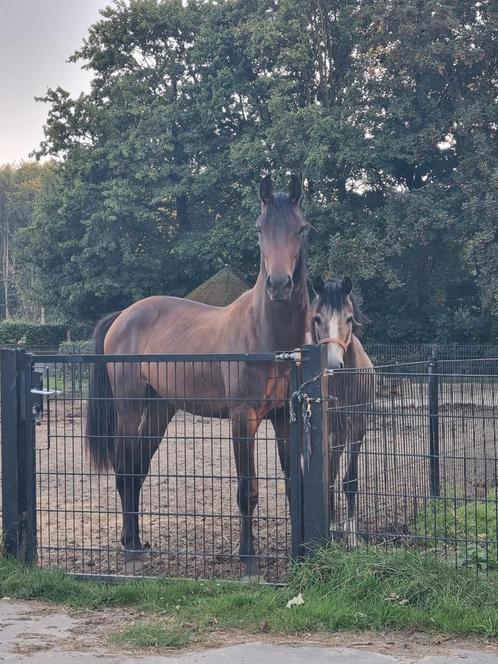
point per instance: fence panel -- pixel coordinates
(188, 516)
(427, 464)
(413, 445)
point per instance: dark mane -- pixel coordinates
(332, 295)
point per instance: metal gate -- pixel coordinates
(58, 511)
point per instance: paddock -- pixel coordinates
(410, 494)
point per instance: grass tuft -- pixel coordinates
(146, 635)
(469, 526)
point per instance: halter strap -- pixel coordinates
(343, 344)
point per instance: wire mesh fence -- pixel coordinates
(427, 464)
(415, 357)
(188, 517)
(412, 451)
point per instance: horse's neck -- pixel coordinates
(281, 325)
(356, 356)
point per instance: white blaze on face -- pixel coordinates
(335, 353)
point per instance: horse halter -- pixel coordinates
(343, 344)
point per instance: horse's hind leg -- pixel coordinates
(141, 432)
(350, 488)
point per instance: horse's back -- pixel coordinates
(175, 326)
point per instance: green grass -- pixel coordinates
(471, 526)
(146, 635)
(362, 590)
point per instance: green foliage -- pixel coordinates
(85, 346)
(34, 335)
(470, 526)
(386, 109)
(19, 186)
(146, 635)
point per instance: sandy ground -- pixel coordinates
(189, 513)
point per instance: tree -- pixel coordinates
(18, 188)
(386, 109)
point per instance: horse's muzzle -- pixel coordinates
(279, 288)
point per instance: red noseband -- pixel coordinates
(343, 344)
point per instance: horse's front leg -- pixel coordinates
(350, 488)
(244, 427)
(279, 417)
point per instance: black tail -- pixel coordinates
(100, 422)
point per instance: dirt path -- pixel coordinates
(32, 632)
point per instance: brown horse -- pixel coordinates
(336, 320)
(124, 432)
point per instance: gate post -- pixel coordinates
(435, 488)
(18, 457)
(296, 473)
(315, 452)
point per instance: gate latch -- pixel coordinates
(45, 393)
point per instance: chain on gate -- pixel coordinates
(306, 402)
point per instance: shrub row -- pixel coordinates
(34, 335)
(84, 346)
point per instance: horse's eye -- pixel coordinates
(318, 320)
(301, 230)
(349, 320)
(259, 230)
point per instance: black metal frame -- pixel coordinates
(429, 460)
(18, 457)
(26, 539)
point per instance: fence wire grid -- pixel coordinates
(188, 515)
(424, 435)
(427, 465)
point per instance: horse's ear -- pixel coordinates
(295, 189)
(317, 285)
(266, 190)
(346, 286)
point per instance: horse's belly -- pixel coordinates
(215, 389)
(194, 386)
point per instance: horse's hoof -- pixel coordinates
(350, 531)
(250, 571)
(253, 578)
(135, 560)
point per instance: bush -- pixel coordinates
(34, 335)
(83, 347)
(81, 329)
(471, 526)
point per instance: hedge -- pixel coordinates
(34, 335)
(81, 347)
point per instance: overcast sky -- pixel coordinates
(36, 39)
